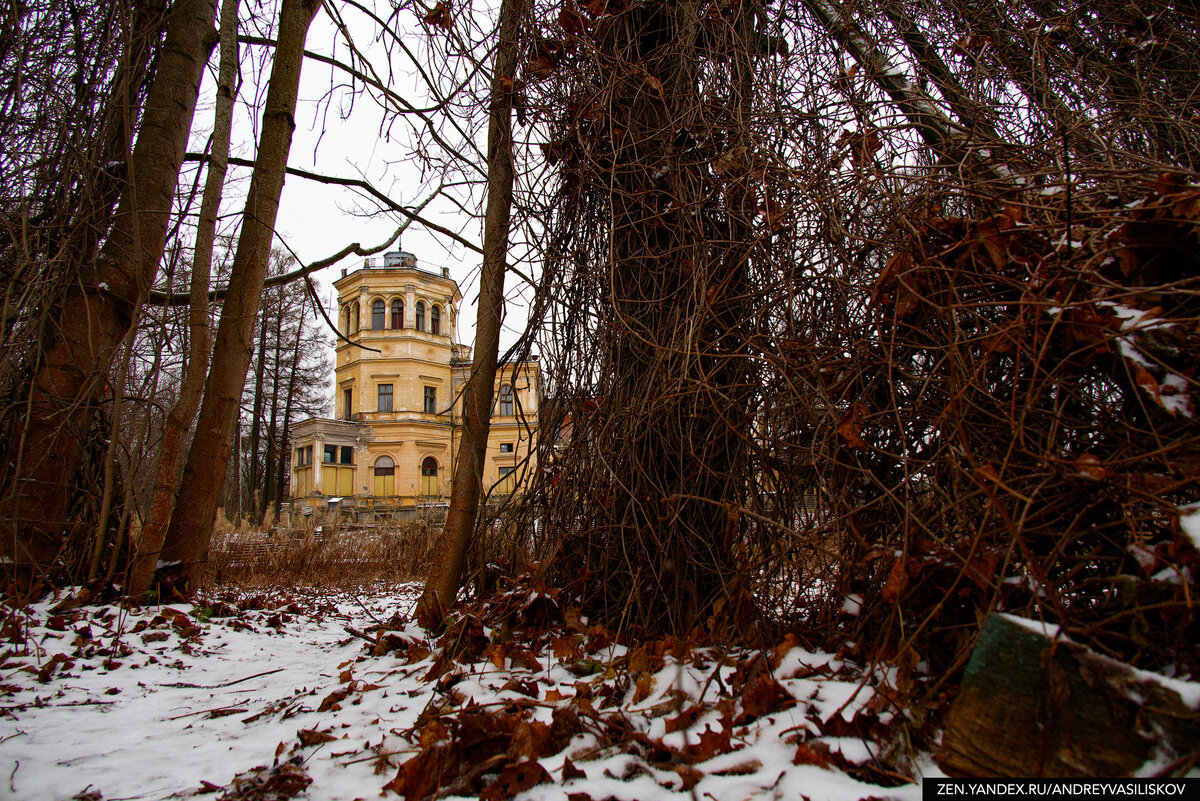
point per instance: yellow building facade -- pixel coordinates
(399, 377)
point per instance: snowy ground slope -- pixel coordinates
(179, 700)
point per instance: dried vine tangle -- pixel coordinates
(868, 319)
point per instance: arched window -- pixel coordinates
(377, 316)
(346, 320)
(506, 401)
(420, 316)
(435, 320)
(385, 477)
(429, 471)
(355, 328)
(397, 314)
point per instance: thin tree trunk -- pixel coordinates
(99, 311)
(196, 506)
(170, 459)
(445, 577)
(285, 448)
(268, 476)
(110, 460)
(256, 410)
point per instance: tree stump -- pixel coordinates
(1033, 705)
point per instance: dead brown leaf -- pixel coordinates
(515, 779)
(850, 426)
(422, 775)
(763, 696)
(897, 582)
(433, 733)
(440, 16)
(311, 737)
(566, 647)
(1146, 380)
(685, 719)
(332, 700)
(569, 771)
(645, 685)
(812, 754)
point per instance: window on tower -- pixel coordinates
(506, 401)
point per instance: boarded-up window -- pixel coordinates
(385, 477)
(508, 481)
(429, 474)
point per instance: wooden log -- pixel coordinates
(1034, 704)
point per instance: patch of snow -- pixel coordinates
(150, 703)
(852, 605)
(1051, 630)
(1169, 575)
(1189, 523)
(1188, 691)
(1173, 392)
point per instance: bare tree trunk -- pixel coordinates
(268, 476)
(284, 449)
(256, 410)
(196, 506)
(99, 311)
(446, 575)
(170, 459)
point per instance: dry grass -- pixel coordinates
(330, 555)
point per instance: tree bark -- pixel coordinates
(99, 311)
(196, 506)
(170, 459)
(285, 445)
(445, 577)
(268, 476)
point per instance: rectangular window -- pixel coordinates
(507, 481)
(506, 401)
(506, 447)
(347, 396)
(347, 454)
(385, 398)
(431, 400)
(330, 454)
(304, 455)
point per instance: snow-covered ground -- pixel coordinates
(285, 693)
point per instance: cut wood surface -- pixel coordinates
(1033, 703)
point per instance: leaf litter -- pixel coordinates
(336, 694)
